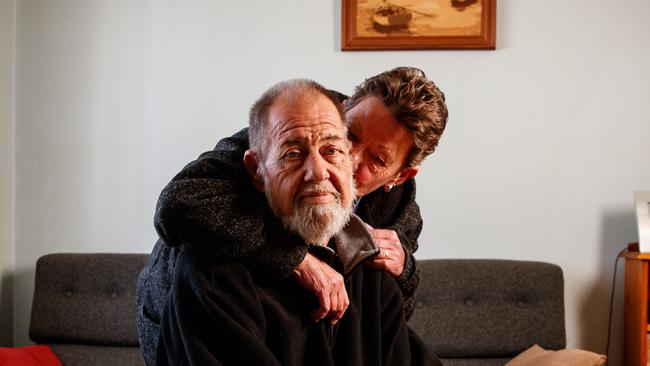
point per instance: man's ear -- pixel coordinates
(406, 173)
(253, 168)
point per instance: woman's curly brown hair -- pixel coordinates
(415, 102)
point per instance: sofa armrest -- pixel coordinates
(86, 299)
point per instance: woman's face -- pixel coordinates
(380, 146)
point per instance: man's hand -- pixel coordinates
(328, 286)
(391, 253)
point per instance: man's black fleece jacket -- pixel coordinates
(226, 314)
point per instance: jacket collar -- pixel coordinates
(354, 244)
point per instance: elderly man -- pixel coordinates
(227, 314)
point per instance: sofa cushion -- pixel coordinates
(79, 355)
(86, 299)
(481, 308)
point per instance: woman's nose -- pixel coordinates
(355, 156)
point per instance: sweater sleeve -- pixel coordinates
(397, 210)
(408, 226)
(212, 204)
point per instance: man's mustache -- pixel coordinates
(320, 187)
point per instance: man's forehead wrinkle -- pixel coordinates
(313, 126)
(309, 136)
(296, 141)
(309, 140)
(331, 137)
(303, 121)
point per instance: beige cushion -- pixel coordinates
(538, 356)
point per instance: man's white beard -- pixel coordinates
(315, 223)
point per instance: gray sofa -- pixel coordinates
(471, 312)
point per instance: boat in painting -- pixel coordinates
(462, 4)
(388, 17)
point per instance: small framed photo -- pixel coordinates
(418, 24)
(642, 201)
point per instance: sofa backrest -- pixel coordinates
(465, 308)
(86, 299)
(478, 308)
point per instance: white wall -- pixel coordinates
(547, 137)
(7, 36)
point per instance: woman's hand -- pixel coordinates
(391, 253)
(328, 286)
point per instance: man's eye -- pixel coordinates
(292, 154)
(331, 151)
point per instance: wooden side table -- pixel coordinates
(636, 308)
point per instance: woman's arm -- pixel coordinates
(212, 204)
(398, 212)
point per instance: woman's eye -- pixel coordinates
(352, 137)
(331, 151)
(379, 160)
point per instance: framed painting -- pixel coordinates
(418, 24)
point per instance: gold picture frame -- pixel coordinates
(418, 24)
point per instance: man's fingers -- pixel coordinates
(336, 307)
(332, 297)
(324, 305)
(328, 286)
(317, 314)
(343, 303)
(339, 299)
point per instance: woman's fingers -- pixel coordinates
(391, 253)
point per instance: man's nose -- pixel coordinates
(316, 169)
